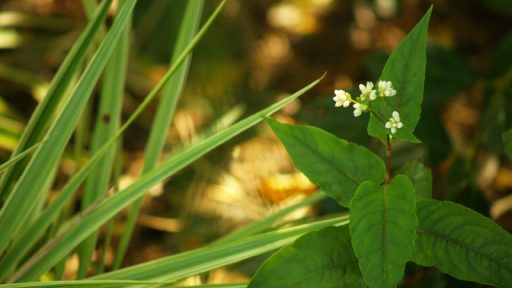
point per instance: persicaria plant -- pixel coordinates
(393, 219)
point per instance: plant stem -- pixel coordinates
(388, 159)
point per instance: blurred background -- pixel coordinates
(256, 53)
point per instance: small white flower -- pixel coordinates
(359, 109)
(367, 92)
(342, 98)
(385, 88)
(394, 122)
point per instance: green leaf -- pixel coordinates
(318, 259)
(334, 164)
(507, 141)
(383, 227)
(405, 68)
(463, 243)
(421, 178)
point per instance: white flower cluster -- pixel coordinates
(367, 92)
(394, 122)
(342, 98)
(363, 103)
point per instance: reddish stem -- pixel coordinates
(388, 159)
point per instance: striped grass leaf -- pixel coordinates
(462, 243)
(207, 258)
(90, 221)
(115, 283)
(37, 174)
(40, 119)
(15, 159)
(107, 124)
(323, 258)
(167, 105)
(383, 227)
(334, 164)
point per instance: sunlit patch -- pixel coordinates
(281, 186)
(386, 8)
(270, 52)
(360, 32)
(298, 17)
(10, 39)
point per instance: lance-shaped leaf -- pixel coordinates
(318, 259)
(463, 243)
(334, 164)
(421, 178)
(383, 227)
(405, 68)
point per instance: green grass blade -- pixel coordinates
(172, 91)
(267, 222)
(91, 221)
(30, 236)
(166, 108)
(207, 258)
(224, 121)
(107, 124)
(115, 283)
(223, 285)
(18, 157)
(36, 176)
(41, 117)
